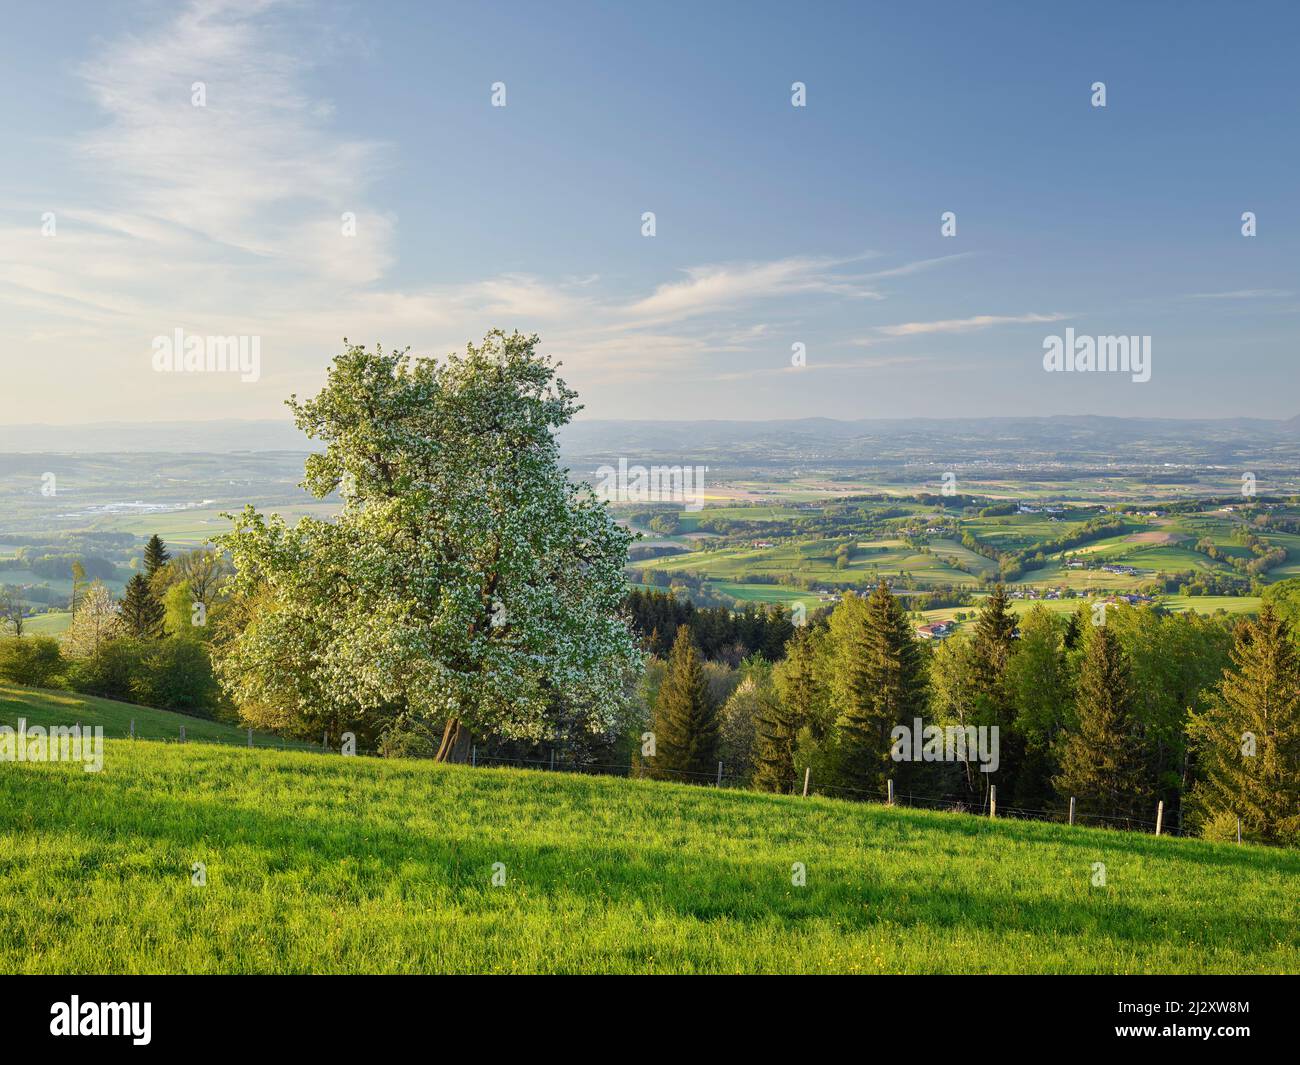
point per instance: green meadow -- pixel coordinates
(52, 624)
(40, 707)
(318, 863)
(766, 593)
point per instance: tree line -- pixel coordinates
(720, 634)
(1119, 708)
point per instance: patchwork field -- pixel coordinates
(1201, 604)
(816, 560)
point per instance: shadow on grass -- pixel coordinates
(348, 858)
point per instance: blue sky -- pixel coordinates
(774, 224)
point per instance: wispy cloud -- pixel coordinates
(228, 218)
(916, 267)
(712, 288)
(1241, 294)
(967, 325)
(255, 162)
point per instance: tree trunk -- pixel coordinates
(456, 741)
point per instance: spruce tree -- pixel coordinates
(885, 685)
(1103, 757)
(993, 642)
(155, 556)
(799, 684)
(685, 720)
(1073, 630)
(993, 645)
(1249, 737)
(776, 726)
(141, 613)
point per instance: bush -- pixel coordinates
(404, 739)
(176, 674)
(111, 672)
(1219, 827)
(32, 660)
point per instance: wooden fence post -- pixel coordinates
(890, 800)
(182, 734)
(807, 775)
(473, 756)
(132, 728)
(993, 800)
(1238, 831)
(1160, 815)
(1071, 809)
(719, 774)
(250, 737)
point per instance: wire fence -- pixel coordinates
(977, 805)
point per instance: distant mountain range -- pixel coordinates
(1067, 439)
(1072, 439)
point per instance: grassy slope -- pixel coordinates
(52, 624)
(317, 863)
(67, 708)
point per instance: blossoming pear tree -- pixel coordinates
(468, 585)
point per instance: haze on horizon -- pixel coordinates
(774, 225)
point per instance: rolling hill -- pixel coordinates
(318, 863)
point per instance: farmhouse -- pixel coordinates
(937, 631)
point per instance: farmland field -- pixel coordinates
(51, 624)
(318, 863)
(815, 560)
(765, 593)
(1210, 604)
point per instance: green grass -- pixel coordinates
(950, 549)
(1201, 604)
(1210, 604)
(814, 559)
(766, 593)
(47, 708)
(317, 863)
(51, 624)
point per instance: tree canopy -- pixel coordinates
(467, 581)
